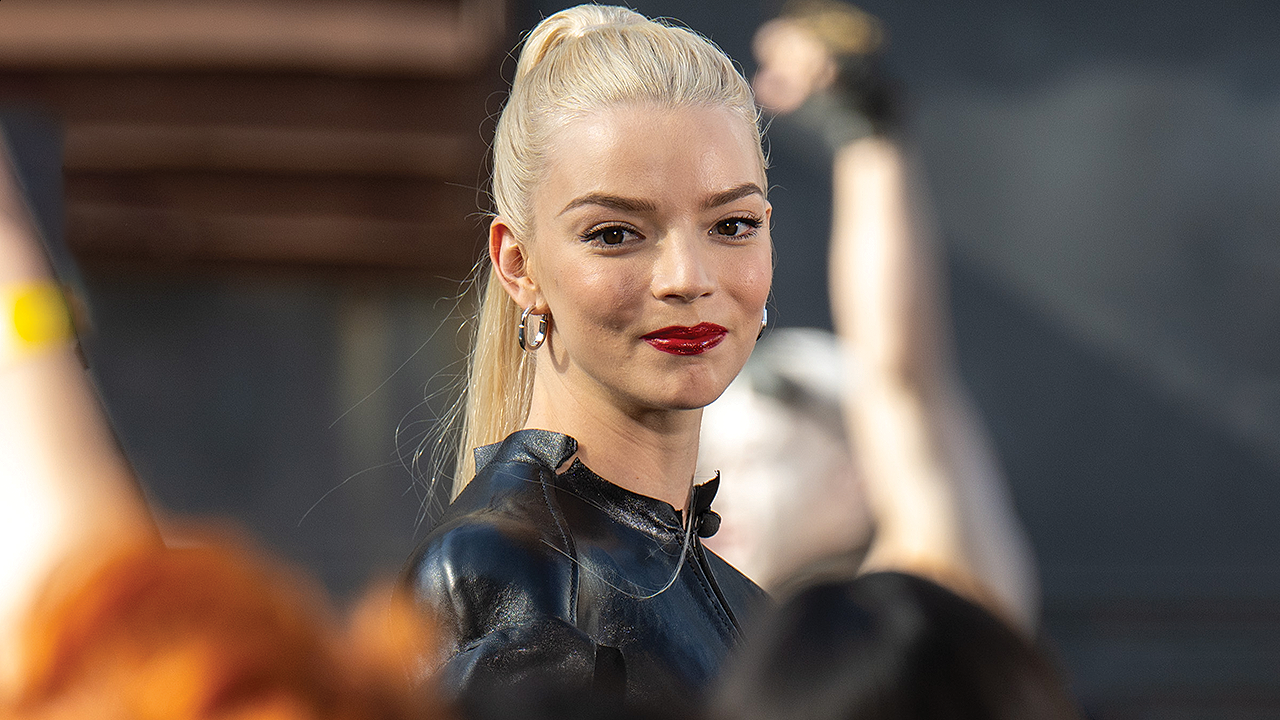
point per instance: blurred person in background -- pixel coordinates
(630, 261)
(102, 618)
(864, 446)
(915, 598)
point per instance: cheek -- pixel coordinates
(751, 277)
(601, 295)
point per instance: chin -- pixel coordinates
(695, 398)
(692, 387)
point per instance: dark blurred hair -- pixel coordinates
(889, 646)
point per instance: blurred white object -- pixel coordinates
(790, 493)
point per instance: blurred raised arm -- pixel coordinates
(65, 489)
(941, 507)
(932, 482)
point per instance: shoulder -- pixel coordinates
(498, 559)
(481, 549)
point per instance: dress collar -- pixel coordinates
(541, 447)
(552, 449)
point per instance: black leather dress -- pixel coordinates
(557, 580)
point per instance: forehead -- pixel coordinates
(664, 155)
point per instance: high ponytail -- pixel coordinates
(578, 60)
(568, 24)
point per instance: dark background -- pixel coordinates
(1105, 181)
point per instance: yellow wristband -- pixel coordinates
(35, 317)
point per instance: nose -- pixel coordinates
(682, 270)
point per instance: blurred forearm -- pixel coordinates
(930, 477)
(65, 489)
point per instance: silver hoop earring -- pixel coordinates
(522, 330)
(764, 323)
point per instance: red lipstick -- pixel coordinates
(681, 340)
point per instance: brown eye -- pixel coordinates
(611, 236)
(735, 227)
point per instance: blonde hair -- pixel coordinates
(578, 60)
(842, 28)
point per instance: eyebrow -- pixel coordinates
(613, 202)
(636, 205)
(737, 192)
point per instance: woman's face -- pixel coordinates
(651, 252)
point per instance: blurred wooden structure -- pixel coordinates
(317, 132)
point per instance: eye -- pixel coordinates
(610, 235)
(736, 228)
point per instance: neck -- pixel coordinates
(649, 452)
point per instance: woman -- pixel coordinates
(631, 262)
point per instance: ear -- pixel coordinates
(510, 261)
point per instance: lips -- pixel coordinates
(682, 340)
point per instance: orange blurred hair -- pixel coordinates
(212, 631)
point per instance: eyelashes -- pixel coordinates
(617, 235)
(610, 236)
(738, 228)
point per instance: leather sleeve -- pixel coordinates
(543, 655)
(503, 596)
